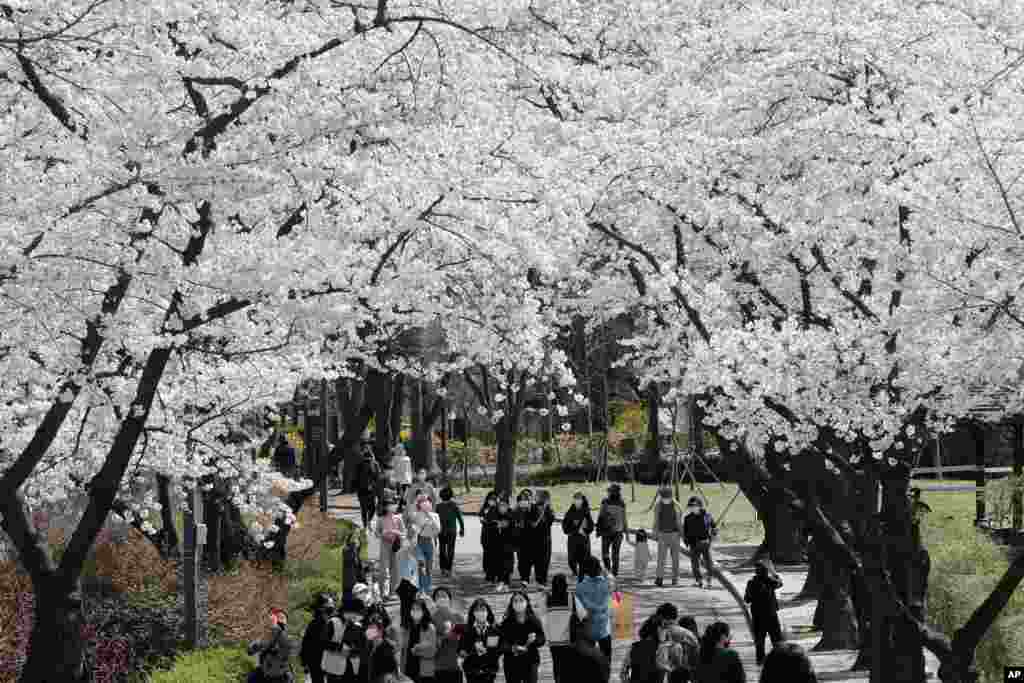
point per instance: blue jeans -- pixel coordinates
(426, 553)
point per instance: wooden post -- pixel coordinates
(979, 493)
(1018, 472)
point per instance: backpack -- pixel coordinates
(369, 473)
(611, 519)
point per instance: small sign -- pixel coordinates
(1013, 673)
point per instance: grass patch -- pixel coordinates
(966, 565)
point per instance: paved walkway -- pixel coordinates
(706, 606)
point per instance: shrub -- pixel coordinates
(214, 665)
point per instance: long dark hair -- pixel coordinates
(709, 643)
(559, 595)
(471, 616)
(510, 614)
(788, 662)
(586, 503)
(485, 506)
(425, 620)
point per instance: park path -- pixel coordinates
(706, 606)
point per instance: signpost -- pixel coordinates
(195, 538)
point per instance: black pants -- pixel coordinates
(516, 672)
(611, 543)
(561, 664)
(542, 560)
(579, 550)
(317, 675)
(524, 559)
(766, 625)
(448, 676)
(446, 549)
(367, 507)
(506, 563)
(605, 646)
(492, 560)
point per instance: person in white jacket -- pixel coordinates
(427, 525)
(401, 464)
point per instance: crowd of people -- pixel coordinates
(432, 642)
(415, 521)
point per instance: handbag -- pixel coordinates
(334, 661)
(579, 623)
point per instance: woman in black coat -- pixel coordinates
(522, 636)
(311, 652)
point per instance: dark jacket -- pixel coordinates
(312, 649)
(611, 518)
(577, 520)
(642, 662)
(697, 527)
(503, 533)
(588, 663)
(382, 658)
(725, 667)
(538, 534)
(451, 517)
(476, 664)
(488, 525)
(761, 595)
(521, 522)
(274, 653)
(514, 633)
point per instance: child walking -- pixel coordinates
(641, 555)
(451, 517)
(577, 525)
(764, 606)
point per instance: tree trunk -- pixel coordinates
(785, 540)
(815, 580)
(652, 451)
(56, 649)
(212, 517)
(838, 618)
(505, 476)
(423, 416)
(170, 544)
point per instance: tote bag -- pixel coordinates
(335, 662)
(621, 612)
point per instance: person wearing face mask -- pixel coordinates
(344, 642)
(421, 644)
(538, 537)
(402, 465)
(480, 644)
(390, 528)
(420, 487)
(488, 536)
(522, 520)
(274, 652)
(668, 522)
(577, 525)
(523, 636)
(311, 651)
(427, 525)
(504, 543)
(719, 663)
(611, 527)
(449, 626)
(698, 530)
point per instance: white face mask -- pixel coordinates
(502, 508)
(416, 614)
(692, 510)
(422, 476)
(665, 500)
(392, 509)
(524, 505)
(578, 502)
(519, 605)
(442, 601)
(481, 616)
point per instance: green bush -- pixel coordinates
(952, 598)
(215, 665)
